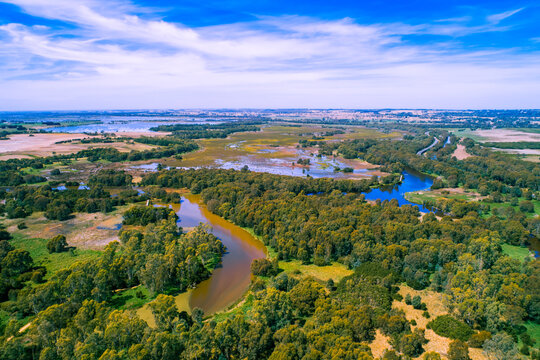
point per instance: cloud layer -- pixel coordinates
(112, 54)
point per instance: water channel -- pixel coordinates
(232, 277)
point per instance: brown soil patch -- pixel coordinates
(23, 145)
(379, 345)
(9, 157)
(461, 153)
(507, 135)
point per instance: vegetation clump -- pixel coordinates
(57, 244)
(448, 326)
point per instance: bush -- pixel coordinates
(416, 302)
(408, 299)
(526, 206)
(411, 344)
(57, 244)
(450, 327)
(477, 340)
(458, 350)
(264, 267)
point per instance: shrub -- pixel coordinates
(450, 327)
(416, 302)
(264, 267)
(408, 299)
(477, 340)
(411, 344)
(57, 244)
(458, 350)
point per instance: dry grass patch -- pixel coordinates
(461, 152)
(24, 145)
(380, 344)
(436, 307)
(336, 271)
(81, 231)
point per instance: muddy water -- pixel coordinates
(231, 279)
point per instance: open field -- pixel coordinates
(24, 145)
(55, 261)
(498, 135)
(81, 231)
(516, 252)
(336, 271)
(494, 206)
(461, 153)
(419, 197)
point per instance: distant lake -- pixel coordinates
(120, 126)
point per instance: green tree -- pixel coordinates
(57, 244)
(165, 312)
(501, 347)
(458, 350)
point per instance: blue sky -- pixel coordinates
(119, 54)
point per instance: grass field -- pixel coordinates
(534, 330)
(494, 206)
(516, 252)
(335, 271)
(128, 299)
(52, 262)
(419, 197)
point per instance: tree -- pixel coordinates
(165, 312)
(304, 295)
(57, 244)
(501, 347)
(526, 206)
(458, 350)
(264, 267)
(16, 262)
(411, 344)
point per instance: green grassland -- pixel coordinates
(419, 197)
(534, 330)
(52, 262)
(494, 206)
(516, 252)
(132, 298)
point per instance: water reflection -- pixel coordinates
(232, 278)
(412, 181)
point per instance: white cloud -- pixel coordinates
(114, 59)
(497, 18)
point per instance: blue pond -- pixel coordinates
(412, 181)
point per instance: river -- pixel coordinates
(231, 279)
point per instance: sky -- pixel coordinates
(142, 54)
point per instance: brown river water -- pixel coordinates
(230, 279)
